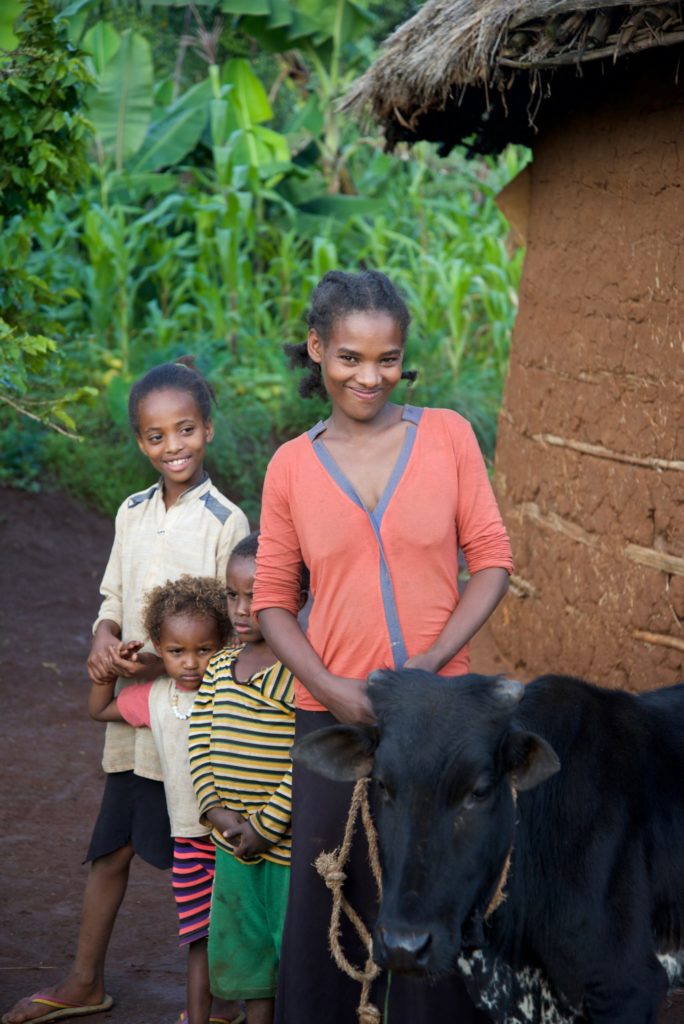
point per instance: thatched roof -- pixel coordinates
(461, 56)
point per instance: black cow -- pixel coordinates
(594, 899)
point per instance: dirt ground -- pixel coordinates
(53, 556)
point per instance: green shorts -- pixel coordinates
(245, 927)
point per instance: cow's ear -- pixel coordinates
(529, 759)
(342, 753)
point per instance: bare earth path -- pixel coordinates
(52, 555)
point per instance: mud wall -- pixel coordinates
(590, 452)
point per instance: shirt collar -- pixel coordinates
(409, 412)
(191, 493)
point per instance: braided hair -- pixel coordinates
(338, 294)
(179, 376)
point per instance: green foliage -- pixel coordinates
(101, 471)
(8, 15)
(43, 131)
(121, 103)
(43, 151)
(213, 207)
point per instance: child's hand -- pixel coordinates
(98, 660)
(249, 842)
(224, 819)
(129, 661)
(129, 651)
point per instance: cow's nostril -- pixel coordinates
(403, 950)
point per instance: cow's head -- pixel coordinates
(446, 756)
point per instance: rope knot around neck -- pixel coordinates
(330, 866)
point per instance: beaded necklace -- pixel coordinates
(182, 716)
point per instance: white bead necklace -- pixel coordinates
(182, 716)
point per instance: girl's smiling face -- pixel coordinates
(173, 436)
(361, 362)
(186, 644)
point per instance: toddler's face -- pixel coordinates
(239, 585)
(186, 645)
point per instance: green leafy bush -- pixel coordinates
(212, 208)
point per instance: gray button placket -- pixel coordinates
(413, 415)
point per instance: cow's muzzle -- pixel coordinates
(401, 950)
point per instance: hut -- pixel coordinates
(589, 465)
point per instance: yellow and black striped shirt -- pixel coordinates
(239, 748)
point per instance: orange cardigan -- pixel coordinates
(373, 608)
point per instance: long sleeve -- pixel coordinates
(273, 820)
(111, 587)
(277, 583)
(199, 746)
(480, 529)
(234, 529)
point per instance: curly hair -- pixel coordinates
(179, 376)
(336, 295)
(196, 596)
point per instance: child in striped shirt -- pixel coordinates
(187, 622)
(241, 731)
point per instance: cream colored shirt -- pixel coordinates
(152, 705)
(153, 545)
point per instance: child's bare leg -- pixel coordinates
(198, 994)
(104, 892)
(227, 1009)
(200, 1002)
(260, 1011)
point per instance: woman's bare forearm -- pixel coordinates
(482, 594)
(345, 698)
(284, 636)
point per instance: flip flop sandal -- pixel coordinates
(59, 1009)
(183, 1019)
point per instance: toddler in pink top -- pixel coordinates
(188, 623)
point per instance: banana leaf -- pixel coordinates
(176, 132)
(121, 103)
(102, 42)
(248, 98)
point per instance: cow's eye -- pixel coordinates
(478, 794)
(383, 789)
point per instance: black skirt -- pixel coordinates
(311, 988)
(133, 810)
